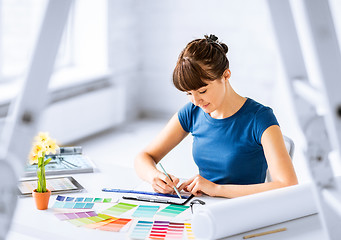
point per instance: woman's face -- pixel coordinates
(210, 98)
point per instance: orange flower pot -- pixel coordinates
(41, 199)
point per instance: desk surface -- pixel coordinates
(29, 223)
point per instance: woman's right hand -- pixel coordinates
(162, 184)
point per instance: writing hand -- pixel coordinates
(162, 184)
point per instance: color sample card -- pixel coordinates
(55, 185)
(89, 220)
(172, 210)
(84, 199)
(119, 209)
(159, 230)
(68, 216)
(74, 205)
(174, 231)
(189, 231)
(166, 230)
(115, 226)
(141, 230)
(145, 211)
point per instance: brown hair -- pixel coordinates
(201, 60)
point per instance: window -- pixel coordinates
(19, 25)
(83, 49)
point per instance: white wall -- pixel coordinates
(167, 26)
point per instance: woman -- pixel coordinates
(235, 139)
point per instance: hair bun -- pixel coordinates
(212, 37)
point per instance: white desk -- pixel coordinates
(30, 223)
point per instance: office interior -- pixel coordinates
(111, 90)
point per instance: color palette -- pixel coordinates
(141, 230)
(166, 230)
(189, 231)
(89, 220)
(84, 199)
(96, 225)
(158, 230)
(74, 215)
(119, 209)
(74, 205)
(172, 210)
(93, 220)
(115, 226)
(145, 211)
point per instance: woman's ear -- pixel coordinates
(227, 74)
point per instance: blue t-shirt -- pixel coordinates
(229, 150)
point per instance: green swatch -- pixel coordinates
(119, 209)
(172, 210)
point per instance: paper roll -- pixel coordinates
(232, 216)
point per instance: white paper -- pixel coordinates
(232, 216)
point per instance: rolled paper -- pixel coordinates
(233, 216)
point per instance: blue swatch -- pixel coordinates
(72, 205)
(60, 198)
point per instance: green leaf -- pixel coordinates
(47, 161)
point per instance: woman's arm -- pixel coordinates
(145, 162)
(279, 164)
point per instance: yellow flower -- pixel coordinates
(33, 158)
(38, 149)
(42, 137)
(51, 146)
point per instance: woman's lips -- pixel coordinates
(205, 106)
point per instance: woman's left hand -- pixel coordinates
(198, 185)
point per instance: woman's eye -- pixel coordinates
(202, 92)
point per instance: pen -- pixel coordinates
(264, 233)
(176, 190)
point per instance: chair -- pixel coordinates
(289, 144)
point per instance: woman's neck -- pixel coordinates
(232, 102)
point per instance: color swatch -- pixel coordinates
(89, 220)
(74, 205)
(119, 209)
(68, 216)
(141, 230)
(115, 226)
(159, 230)
(145, 211)
(166, 230)
(172, 210)
(84, 199)
(189, 231)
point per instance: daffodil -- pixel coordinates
(43, 145)
(38, 149)
(42, 137)
(33, 158)
(51, 146)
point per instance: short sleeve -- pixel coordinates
(264, 118)
(185, 117)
